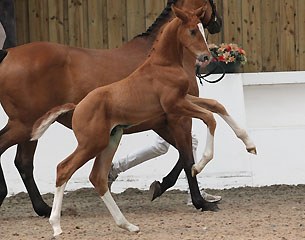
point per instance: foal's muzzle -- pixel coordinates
(203, 60)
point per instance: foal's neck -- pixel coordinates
(167, 50)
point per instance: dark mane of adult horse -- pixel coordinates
(7, 19)
(38, 76)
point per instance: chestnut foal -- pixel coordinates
(38, 76)
(159, 86)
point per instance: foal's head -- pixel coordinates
(191, 34)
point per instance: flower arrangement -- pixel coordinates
(228, 53)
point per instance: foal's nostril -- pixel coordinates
(203, 58)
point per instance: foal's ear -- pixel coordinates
(179, 13)
(200, 11)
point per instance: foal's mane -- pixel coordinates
(160, 19)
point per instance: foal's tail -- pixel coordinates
(42, 124)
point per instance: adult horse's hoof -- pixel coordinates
(210, 206)
(43, 210)
(155, 190)
(207, 206)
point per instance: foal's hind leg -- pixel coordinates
(99, 179)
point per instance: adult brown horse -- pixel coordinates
(38, 76)
(159, 87)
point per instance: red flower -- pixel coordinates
(228, 53)
(228, 48)
(221, 58)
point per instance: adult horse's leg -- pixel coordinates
(178, 134)
(158, 188)
(9, 136)
(3, 187)
(24, 163)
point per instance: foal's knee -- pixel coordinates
(211, 122)
(217, 107)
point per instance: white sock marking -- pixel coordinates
(240, 132)
(208, 153)
(56, 210)
(117, 214)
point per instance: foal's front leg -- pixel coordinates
(216, 107)
(65, 170)
(56, 209)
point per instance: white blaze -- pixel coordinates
(201, 29)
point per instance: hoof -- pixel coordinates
(57, 231)
(55, 223)
(252, 150)
(194, 171)
(133, 228)
(155, 190)
(44, 211)
(210, 206)
(129, 227)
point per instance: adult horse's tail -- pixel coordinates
(43, 123)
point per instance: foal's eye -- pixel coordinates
(193, 32)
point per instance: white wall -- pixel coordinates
(275, 109)
(273, 113)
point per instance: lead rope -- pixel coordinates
(202, 77)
